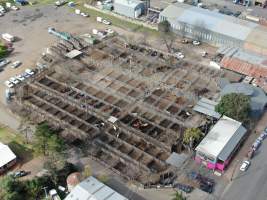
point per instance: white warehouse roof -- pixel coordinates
(6, 155)
(222, 138)
(92, 189)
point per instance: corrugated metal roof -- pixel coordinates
(222, 135)
(214, 21)
(129, 3)
(207, 107)
(177, 159)
(92, 189)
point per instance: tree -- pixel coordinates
(164, 26)
(178, 196)
(191, 135)
(11, 189)
(3, 50)
(234, 105)
(46, 141)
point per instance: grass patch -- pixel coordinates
(17, 143)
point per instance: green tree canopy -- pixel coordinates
(191, 135)
(164, 26)
(3, 50)
(178, 196)
(234, 105)
(46, 140)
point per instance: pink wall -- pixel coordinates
(211, 165)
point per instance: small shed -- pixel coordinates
(129, 8)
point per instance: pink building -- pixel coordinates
(217, 148)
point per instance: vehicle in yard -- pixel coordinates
(109, 31)
(179, 55)
(9, 84)
(19, 174)
(20, 77)
(245, 165)
(14, 80)
(204, 54)
(2, 9)
(206, 184)
(41, 65)
(3, 62)
(15, 64)
(196, 42)
(104, 21)
(25, 75)
(14, 8)
(183, 187)
(60, 3)
(71, 4)
(29, 71)
(247, 79)
(8, 37)
(206, 188)
(84, 14)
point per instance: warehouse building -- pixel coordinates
(129, 8)
(217, 148)
(215, 28)
(92, 189)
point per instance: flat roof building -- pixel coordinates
(218, 146)
(215, 28)
(129, 8)
(92, 189)
(7, 158)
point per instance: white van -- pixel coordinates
(8, 37)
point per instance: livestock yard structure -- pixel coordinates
(215, 28)
(131, 111)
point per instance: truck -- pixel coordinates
(8, 37)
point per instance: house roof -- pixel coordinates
(6, 155)
(207, 107)
(92, 189)
(222, 138)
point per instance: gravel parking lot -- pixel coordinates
(29, 25)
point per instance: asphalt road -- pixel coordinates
(252, 184)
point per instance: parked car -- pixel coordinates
(20, 77)
(206, 188)
(9, 84)
(25, 75)
(41, 65)
(3, 62)
(185, 188)
(84, 14)
(29, 71)
(247, 79)
(16, 64)
(109, 31)
(196, 42)
(106, 22)
(245, 165)
(14, 8)
(21, 173)
(14, 80)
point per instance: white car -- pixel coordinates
(16, 64)
(20, 77)
(106, 22)
(109, 31)
(4, 62)
(254, 83)
(247, 79)
(25, 75)
(196, 43)
(9, 84)
(14, 80)
(29, 71)
(84, 14)
(14, 8)
(179, 55)
(244, 165)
